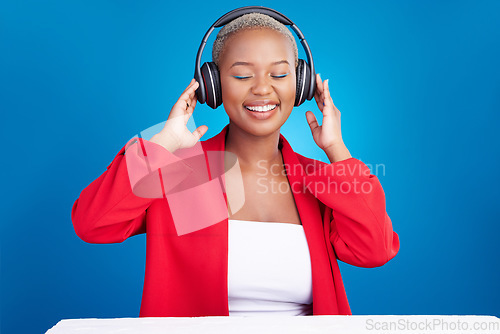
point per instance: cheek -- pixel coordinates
(288, 90)
(228, 90)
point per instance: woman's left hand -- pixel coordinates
(328, 134)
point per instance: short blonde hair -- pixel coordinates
(249, 21)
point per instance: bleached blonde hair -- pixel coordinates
(249, 21)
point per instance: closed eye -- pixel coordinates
(280, 76)
(240, 77)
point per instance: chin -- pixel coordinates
(246, 122)
(259, 129)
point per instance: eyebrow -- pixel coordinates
(243, 63)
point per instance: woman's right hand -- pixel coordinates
(175, 134)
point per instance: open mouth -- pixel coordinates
(262, 109)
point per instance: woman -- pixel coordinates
(276, 253)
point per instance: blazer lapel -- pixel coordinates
(217, 242)
(310, 216)
(312, 221)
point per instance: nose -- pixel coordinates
(262, 85)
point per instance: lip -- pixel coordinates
(257, 103)
(262, 115)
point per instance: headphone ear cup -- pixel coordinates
(303, 75)
(211, 80)
(201, 95)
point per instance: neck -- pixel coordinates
(253, 150)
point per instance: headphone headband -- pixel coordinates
(228, 17)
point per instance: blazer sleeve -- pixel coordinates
(113, 207)
(361, 231)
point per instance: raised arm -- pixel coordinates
(113, 207)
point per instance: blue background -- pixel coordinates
(418, 87)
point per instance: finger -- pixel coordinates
(190, 110)
(319, 102)
(329, 108)
(192, 97)
(320, 93)
(192, 87)
(189, 91)
(192, 94)
(319, 81)
(328, 98)
(191, 105)
(319, 84)
(184, 102)
(193, 102)
(200, 131)
(311, 120)
(193, 81)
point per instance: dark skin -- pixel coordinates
(267, 206)
(265, 56)
(257, 70)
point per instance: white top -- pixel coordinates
(269, 269)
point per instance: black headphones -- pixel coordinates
(210, 91)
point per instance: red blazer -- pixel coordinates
(186, 270)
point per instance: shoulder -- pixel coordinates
(310, 165)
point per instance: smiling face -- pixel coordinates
(257, 72)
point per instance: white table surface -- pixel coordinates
(283, 324)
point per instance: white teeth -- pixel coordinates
(262, 108)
